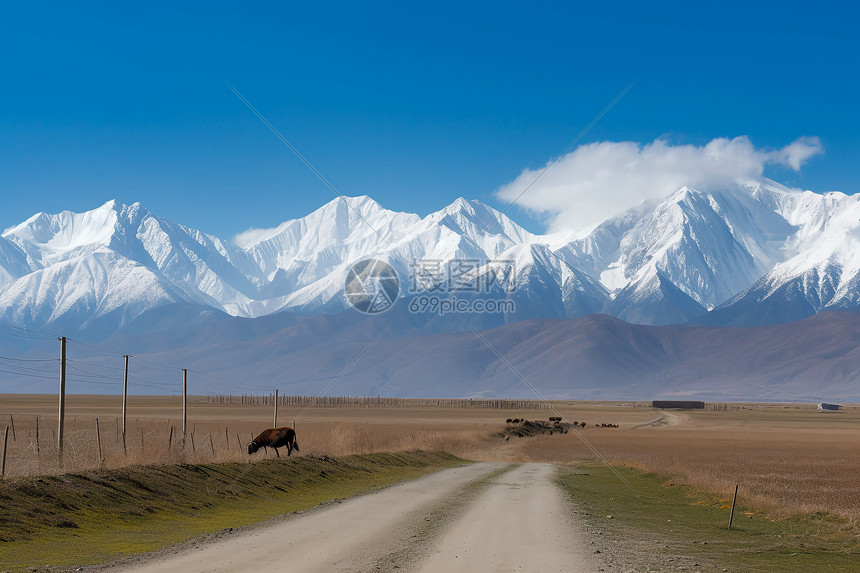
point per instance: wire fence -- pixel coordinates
(219, 429)
(92, 441)
(376, 402)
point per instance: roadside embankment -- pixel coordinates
(99, 516)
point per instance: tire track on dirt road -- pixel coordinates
(520, 522)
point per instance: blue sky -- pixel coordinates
(411, 104)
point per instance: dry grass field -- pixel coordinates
(788, 458)
(785, 458)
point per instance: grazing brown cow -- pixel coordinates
(275, 438)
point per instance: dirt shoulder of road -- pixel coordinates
(99, 516)
(637, 521)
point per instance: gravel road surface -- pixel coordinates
(479, 517)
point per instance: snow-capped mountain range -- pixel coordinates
(754, 253)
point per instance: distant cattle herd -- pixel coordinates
(523, 428)
(557, 421)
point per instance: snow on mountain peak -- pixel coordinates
(51, 238)
(341, 217)
(491, 229)
(662, 261)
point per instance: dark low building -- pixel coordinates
(826, 406)
(682, 404)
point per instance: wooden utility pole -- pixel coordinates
(62, 398)
(124, 401)
(275, 422)
(184, 404)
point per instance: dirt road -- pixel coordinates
(482, 517)
(518, 523)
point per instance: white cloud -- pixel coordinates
(795, 154)
(598, 180)
(247, 238)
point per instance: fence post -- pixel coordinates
(170, 439)
(12, 421)
(184, 405)
(99, 441)
(5, 443)
(732, 514)
(275, 423)
(38, 461)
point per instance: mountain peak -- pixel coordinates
(690, 248)
(355, 201)
(67, 230)
(472, 207)
(482, 219)
(462, 204)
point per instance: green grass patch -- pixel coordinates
(660, 525)
(100, 516)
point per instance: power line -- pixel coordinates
(26, 336)
(27, 330)
(76, 378)
(240, 384)
(88, 372)
(28, 375)
(157, 364)
(27, 368)
(71, 360)
(105, 350)
(147, 381)
(29, 359)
